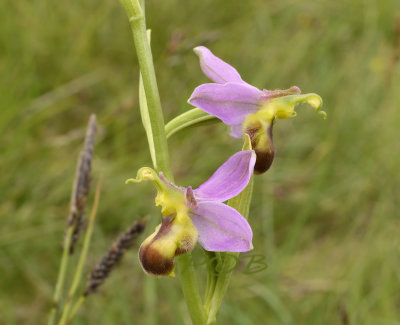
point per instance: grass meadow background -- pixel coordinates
(326, 215)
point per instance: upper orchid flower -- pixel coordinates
(244, 107)
(189, 215)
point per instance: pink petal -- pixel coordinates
(230, 102)
(229, 180)
(216, 69)
(221, 228)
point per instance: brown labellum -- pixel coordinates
(153, 261)
(261, 141)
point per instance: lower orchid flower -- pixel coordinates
(191, 215)
(244, 107)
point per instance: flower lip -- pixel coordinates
(153, 260)
(154, 263)
(262, 142)
(175, 236)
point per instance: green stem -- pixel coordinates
(190, 289)
(150, 283)
(150, 301)
(82, 257)
(158, 137)
(214, 260)
(221, 286)
(75, 308)
(229, 260)
(61, 275)
(145, 58)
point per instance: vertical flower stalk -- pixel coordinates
(155, 116)
(158, 140)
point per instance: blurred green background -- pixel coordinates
(326, 214)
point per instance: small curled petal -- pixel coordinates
(143, 174)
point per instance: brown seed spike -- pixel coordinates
(80, 190)
(113, 256)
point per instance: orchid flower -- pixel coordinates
(244, 107)
(191, 215)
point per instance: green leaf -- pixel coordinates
(194, 117)
(144, 113)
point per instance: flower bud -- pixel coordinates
(175, 236)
